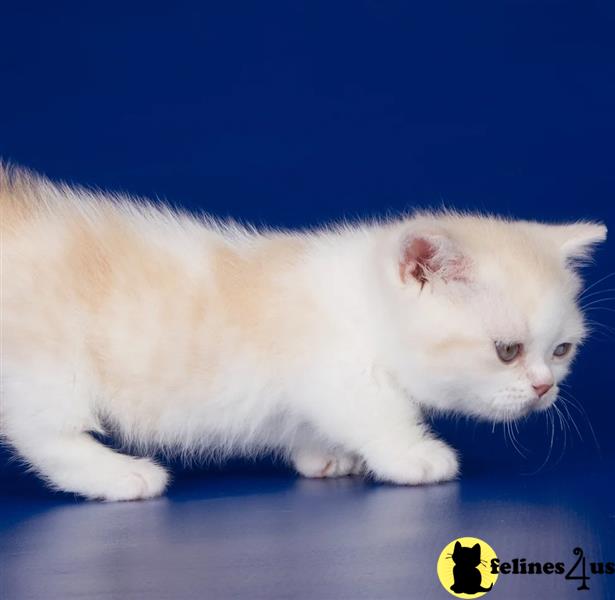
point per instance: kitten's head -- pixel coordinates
(466, 556)
(488, 310)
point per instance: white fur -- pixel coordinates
(335, 369)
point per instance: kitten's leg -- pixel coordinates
(382, 425)
(428, 460)
(46, 424)
(79, 464)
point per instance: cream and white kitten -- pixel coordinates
(180, 334)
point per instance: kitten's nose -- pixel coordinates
(542, 389)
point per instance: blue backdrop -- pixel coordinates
(295, 113)
(292, 114)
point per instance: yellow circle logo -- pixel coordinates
(464, 567)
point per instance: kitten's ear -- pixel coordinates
(428, 255)
(577, 240)
(457, 546)
(476, 548)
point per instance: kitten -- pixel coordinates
(467, 577)
(180, 334)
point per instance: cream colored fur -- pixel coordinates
(180, 334)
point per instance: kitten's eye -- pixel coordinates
(562, 349)
(508, 352)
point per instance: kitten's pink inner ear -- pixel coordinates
(418, 260)
(424, 257)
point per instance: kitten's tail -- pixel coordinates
(482, 589)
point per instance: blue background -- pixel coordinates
(292, 114)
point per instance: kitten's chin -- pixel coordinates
(544, 405)
(501, 415)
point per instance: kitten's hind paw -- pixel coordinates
(315, 464)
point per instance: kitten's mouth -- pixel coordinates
(545, 402)
(537, 404)
(540, 404)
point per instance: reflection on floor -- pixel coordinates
(263, 533)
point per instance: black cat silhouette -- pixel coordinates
(467, 576)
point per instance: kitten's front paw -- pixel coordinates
(315, 464)
(428, 461)
(138, 479)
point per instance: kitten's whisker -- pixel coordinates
(574, 403)
(562, 421)
(552, 435)
(506, 433)
(600, 308)
(570, 417)
(515, 443)
(550, 419)
(591, 323)
(597, 301)
(517, 433)
(516, 426)
(596, 293)
(559, 416)
(593, 285)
